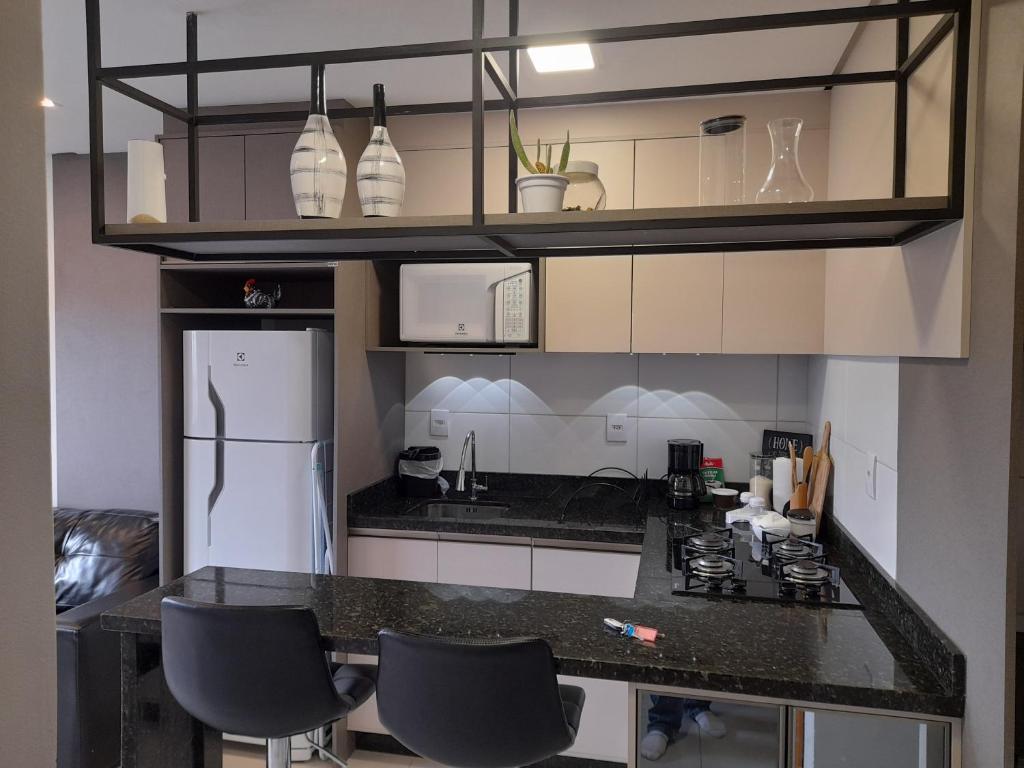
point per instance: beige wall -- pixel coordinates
(27, 640)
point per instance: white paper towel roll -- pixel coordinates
(782, 484)
(147, 199)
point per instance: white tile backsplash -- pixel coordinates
(572, 445)
(491, 438)
(574, 384)
(793, 370)
(558, 404)
(732, 441)
(458, 383)
(709, 386)
(872, 406)
(860, 396)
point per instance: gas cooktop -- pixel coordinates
(730, 562)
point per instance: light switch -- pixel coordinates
(871, 477)
(616, 428)
(439, 422)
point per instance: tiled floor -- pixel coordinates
(242, 756)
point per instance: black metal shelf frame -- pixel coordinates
(955, 19)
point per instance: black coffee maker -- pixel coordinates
(685, 483)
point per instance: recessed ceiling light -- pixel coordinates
(561, 58)
(47, 102)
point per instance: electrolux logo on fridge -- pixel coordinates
(240, 360)
(460, 330)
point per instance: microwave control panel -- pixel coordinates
(513, 309)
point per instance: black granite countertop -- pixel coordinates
(784, 652)
(597, 509)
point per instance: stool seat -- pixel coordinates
(258, 671)
(475, 703)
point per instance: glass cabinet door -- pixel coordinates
(827, 739)
(708, 733)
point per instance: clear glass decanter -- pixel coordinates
(785, 182)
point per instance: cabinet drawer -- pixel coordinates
(388, 558)
(583, 572)
(484, 565)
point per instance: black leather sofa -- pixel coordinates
(101, 558)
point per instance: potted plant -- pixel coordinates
(544, 189)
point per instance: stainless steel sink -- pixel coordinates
(462, 510)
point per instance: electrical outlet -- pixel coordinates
(871, 477)
(439, 422)
(616, 428)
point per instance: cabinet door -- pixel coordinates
(677, 303)
(604, 732)
(666, 173)
(268, 186)
(829, 739)
(484, 565)
(221, 178)
(585, 572)
(439, 182)
(381, 557)
(774, 303)
(587, 304)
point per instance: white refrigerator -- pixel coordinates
(258, 425)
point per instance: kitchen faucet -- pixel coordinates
(460, 480)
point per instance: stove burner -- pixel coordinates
(709, 542)
(793, 548)
(806, 572)
(712, 567)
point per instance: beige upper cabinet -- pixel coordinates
(774, 303)
(587, 302)
(677, 303)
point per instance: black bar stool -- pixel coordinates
(475, 703)
(258, 671)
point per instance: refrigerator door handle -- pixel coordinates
(217, 403)
(218, 486)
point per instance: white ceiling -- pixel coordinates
(149, 31)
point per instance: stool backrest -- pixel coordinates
(254, 671)
(471, 704)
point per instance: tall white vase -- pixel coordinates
(380, 175)
(318, 168)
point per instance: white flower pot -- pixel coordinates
(542, 192)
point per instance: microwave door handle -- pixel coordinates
(499, 303)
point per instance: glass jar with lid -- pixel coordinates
(585, 191)
(722, 160)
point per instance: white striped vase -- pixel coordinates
(318, 171)
(380, 176)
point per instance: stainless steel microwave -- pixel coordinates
(467, 303)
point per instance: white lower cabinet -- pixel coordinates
(604, 732)
(384, 557)
(585, 572)
(484, 565)
(604, 729)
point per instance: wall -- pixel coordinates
(546, 413)
(27, 642)
(959, 491)
(106, 353)
(860, 396)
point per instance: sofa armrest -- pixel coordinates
(89, 682)
(81, 616)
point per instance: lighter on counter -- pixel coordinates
(636, 631)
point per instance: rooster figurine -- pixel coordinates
(257, 298)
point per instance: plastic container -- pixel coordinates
(722, 161)
(419, 471)
(585, 191)
(724, 498)
(761, 476)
